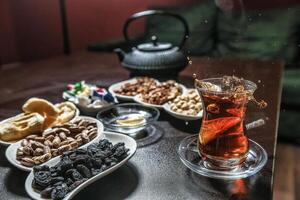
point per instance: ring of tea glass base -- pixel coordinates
(255, 160)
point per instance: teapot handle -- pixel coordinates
(156, 12)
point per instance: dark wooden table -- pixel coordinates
(155, 171)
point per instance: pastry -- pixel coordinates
(21, 126)
(40, 106)
(44, 108)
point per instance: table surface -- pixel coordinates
(155, 171)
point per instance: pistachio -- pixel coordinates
(74, 144)
(36, 144)
(85, 137)
(62, 136)
(54, 152)
(28, 162)
(64, 148)
(31, 136)
(92, 134)
(56, 142)
(38, 152)
(64, 143)
(24, 142)
(48, 143)
(47, 149)
(50, 138)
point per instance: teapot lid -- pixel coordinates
(154, 45)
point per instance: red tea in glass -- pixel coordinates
(222, 141)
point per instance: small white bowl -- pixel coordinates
(11, 151)
(112, 137)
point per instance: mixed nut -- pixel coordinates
(75, 167)
(188, 104)
(35, 149)
(163, 93)
(142, 86)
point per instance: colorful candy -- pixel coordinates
(88, 95)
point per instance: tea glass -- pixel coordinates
(222, 142)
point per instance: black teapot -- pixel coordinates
(156, 59)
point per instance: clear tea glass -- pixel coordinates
(222, 142)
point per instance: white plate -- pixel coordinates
(112, 137)
(118, 85)
(11, 151)
(4, 143)
(182, 116)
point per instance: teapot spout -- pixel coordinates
(120, 54)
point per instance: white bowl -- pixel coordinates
(11, 151)
(180, 115)
(112, 137)
(5, 143)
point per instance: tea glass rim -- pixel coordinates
(246, 82)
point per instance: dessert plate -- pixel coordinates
(167, 108)
(112, 137)
(11, 151)
(4, 143)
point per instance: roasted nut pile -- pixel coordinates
(75, 167)
(188, 104)
(36, 149)
(142, 85)
(163, 93)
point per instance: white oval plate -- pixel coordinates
(11, 151)
(4, 143)
(112, 137)
(167, 108)
(118, 85)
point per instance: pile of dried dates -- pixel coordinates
(75, 167)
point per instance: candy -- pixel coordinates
(87, 95)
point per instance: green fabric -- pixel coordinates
(201, 21)
(267, 34)
(291, 87)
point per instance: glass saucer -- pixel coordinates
(188, 153)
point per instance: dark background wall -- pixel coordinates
(31, 29)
